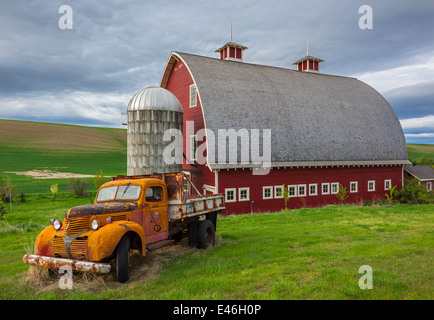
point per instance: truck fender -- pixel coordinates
(43, 242)
(103, 242)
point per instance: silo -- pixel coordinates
(151, 112)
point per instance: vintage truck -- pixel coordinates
(129, 213)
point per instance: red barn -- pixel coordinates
(320, 130)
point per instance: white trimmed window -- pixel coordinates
(193, 96)
(334, 187)
(301, 190)
(230, 195)
(193, 148)
(387, 184)
(325, 188)
(371, 185)
(267, 192)
(292, 191)
(313, 189)
(429, 185)
(354, 187)
(243, 194)
(278, 192)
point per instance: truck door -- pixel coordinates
(155, 212)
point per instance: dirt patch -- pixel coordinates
(47, 174)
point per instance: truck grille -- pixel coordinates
(78, 246)
(77, 225)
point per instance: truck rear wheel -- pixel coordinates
(123, 260)
(192, 233)
(205, 235)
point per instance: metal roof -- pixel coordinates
(312, 117)
(154, 98)
(422, 172)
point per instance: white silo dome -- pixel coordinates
(154, 98)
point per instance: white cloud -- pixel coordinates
(423, 122)
(419, 72)
(419, 135)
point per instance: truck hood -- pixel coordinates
(101, 208)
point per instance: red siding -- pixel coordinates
(239, 53)
(232, 52)
(315, 65)
(299, 67)
(179, 84)
(305, 65)
(244, 178)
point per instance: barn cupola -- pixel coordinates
(308, 63)
(231, 51)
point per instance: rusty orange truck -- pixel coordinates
(129, 213)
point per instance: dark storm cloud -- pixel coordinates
(118, 47)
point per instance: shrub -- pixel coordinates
(2, 209)
(99, 179)
(414, 193)
(77, 187)
(54, 189)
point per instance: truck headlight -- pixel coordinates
(95, 224)
(57, 224)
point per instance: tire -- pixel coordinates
(123, 260)
(192, 233)
(205, 235)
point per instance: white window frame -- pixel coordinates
(193, 97)
(373, 185)
(316, 189)
(334, 184)
(271, 192)
(299, 194)
(239, 194)
(429, 185)
(295, 190)
(387, 181)
(276, 196)
(234, 190)
(328, 188)
(356, 183)
(193, 150)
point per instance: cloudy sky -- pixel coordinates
(86, 75)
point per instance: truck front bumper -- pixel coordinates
(56, 263)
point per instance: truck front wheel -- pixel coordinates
(123, 260)
(205, 235)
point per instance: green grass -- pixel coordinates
(298, 254)
(416, 151)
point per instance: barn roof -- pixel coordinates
(314, 118)
(422, 172)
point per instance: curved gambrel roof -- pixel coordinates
(315, 119)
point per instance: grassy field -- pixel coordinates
(61, 148)
(416, 151)
(298, 254)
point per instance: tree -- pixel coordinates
(342, 194)
(54, 189)
(284, 192)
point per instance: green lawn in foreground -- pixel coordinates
(298, 254)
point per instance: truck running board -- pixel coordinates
(159, 244)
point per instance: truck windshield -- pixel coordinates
(127, 192)
(130, 192)
(106, 194)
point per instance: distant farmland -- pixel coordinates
(30, 146)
